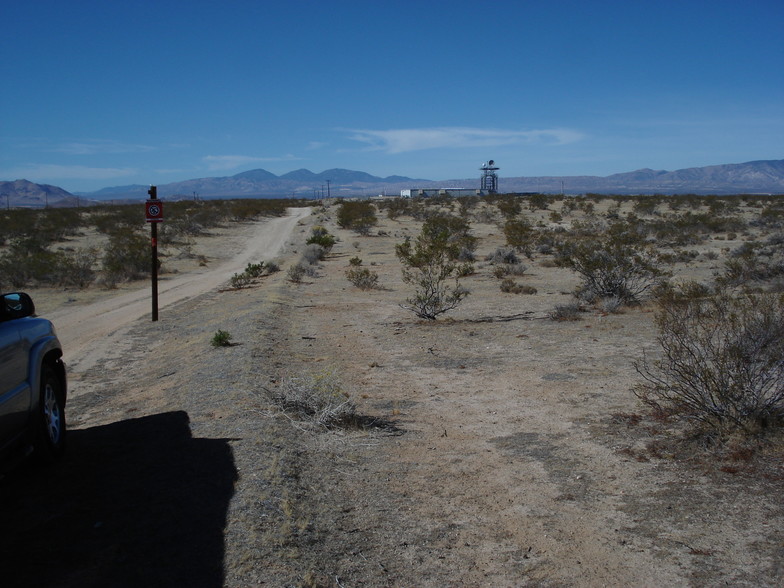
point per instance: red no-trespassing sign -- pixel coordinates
(153, 210)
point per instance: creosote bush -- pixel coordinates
(358, 215)
(617, 266)
(722, 362)
(321, 237)
(429, 265)
(246, 278)
(127, 257)
(362, 278)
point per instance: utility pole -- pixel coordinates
(328, 193)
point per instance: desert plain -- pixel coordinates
(499, 447)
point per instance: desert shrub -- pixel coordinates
(466, 254)
(428, 264)
(465, 269)
(241, 280)
(509, 269)
(467, 204)
(29, 262)
(316, 398)
(221, 339)
(545, 248)
(646, 204)
(613, 267)
(75, 268)
(587, 207)
(538, 202)
(771, 216)
(457, 231)
(313, 254)
(510, 286)
(503, 255)
(569, 206)
(509, 206)
(254, 270)
(397, 207)
(520, 235)
(611, 304)
(566, 312)
(755, 263)
(114, 219)
(359, 216)
(17, 223)
(127, 257)
(299, 270)
(362, 278)
(355, 261)
(272, 267)
(321, 237)
(722, 361)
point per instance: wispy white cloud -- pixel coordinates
(403, 140)
(226, 162)
(53, 172)
(99, 147)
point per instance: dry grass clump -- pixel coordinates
(317, 398)
(511, 287)
(566, 312)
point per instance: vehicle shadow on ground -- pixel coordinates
(135, 503)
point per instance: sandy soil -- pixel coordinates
(509, 450)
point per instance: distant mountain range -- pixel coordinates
(754, 177)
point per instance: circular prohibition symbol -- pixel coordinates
(154, 211)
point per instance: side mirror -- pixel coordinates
(16, 305)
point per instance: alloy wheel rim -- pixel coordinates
(52, 414)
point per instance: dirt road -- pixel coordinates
(87, 331)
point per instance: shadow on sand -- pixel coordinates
(135, 503)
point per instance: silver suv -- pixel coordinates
(32, 382)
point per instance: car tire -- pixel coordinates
(51, 433)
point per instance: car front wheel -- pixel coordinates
(51, 417)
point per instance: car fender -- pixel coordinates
(44, 350)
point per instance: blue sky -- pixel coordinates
(108, 93)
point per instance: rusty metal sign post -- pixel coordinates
(154, 212)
